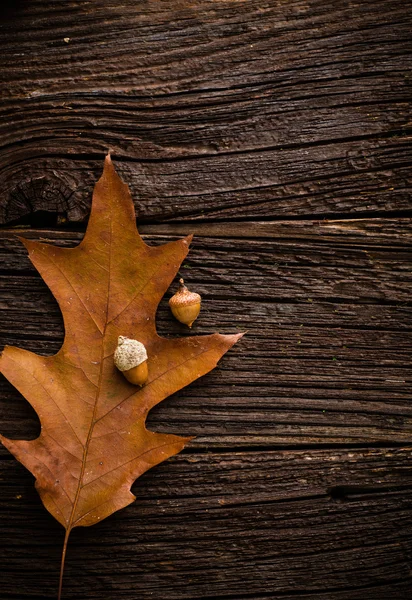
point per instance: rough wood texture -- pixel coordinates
(327, 355)
(342, 530)
(217, 109)
(245, 123)
(325, 369)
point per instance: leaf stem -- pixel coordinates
(66, 539)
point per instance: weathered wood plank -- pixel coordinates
(212, 109)
(216, 112)
(315, 367)
(307, 524)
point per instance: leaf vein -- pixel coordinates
(77, 294)
(61, 446)
(153, 380)
(117, 468)
(51, 398)
(67, 362)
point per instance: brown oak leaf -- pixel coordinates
(93, 442)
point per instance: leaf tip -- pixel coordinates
(23, 240)
(237, 336)
(5, 441)
(30, 245)
(108, 164)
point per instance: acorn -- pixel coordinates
(185, 305)
(130, 357)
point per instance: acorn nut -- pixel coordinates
(185, 305)
(130, 357)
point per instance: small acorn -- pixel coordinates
(130, 357)
(185, 305)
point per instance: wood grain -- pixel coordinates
(327, 355)
(212, 109)
(309, 524)
(279, 134)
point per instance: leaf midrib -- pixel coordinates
(98, 387)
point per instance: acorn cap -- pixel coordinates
(129, 353)
(184, 297)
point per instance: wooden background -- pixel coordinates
(279, 132)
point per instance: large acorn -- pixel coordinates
(185, 305)
(130, 357)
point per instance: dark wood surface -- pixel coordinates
(279, 134)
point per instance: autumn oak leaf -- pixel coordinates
(93, 442)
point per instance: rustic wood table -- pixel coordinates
(278, 132)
